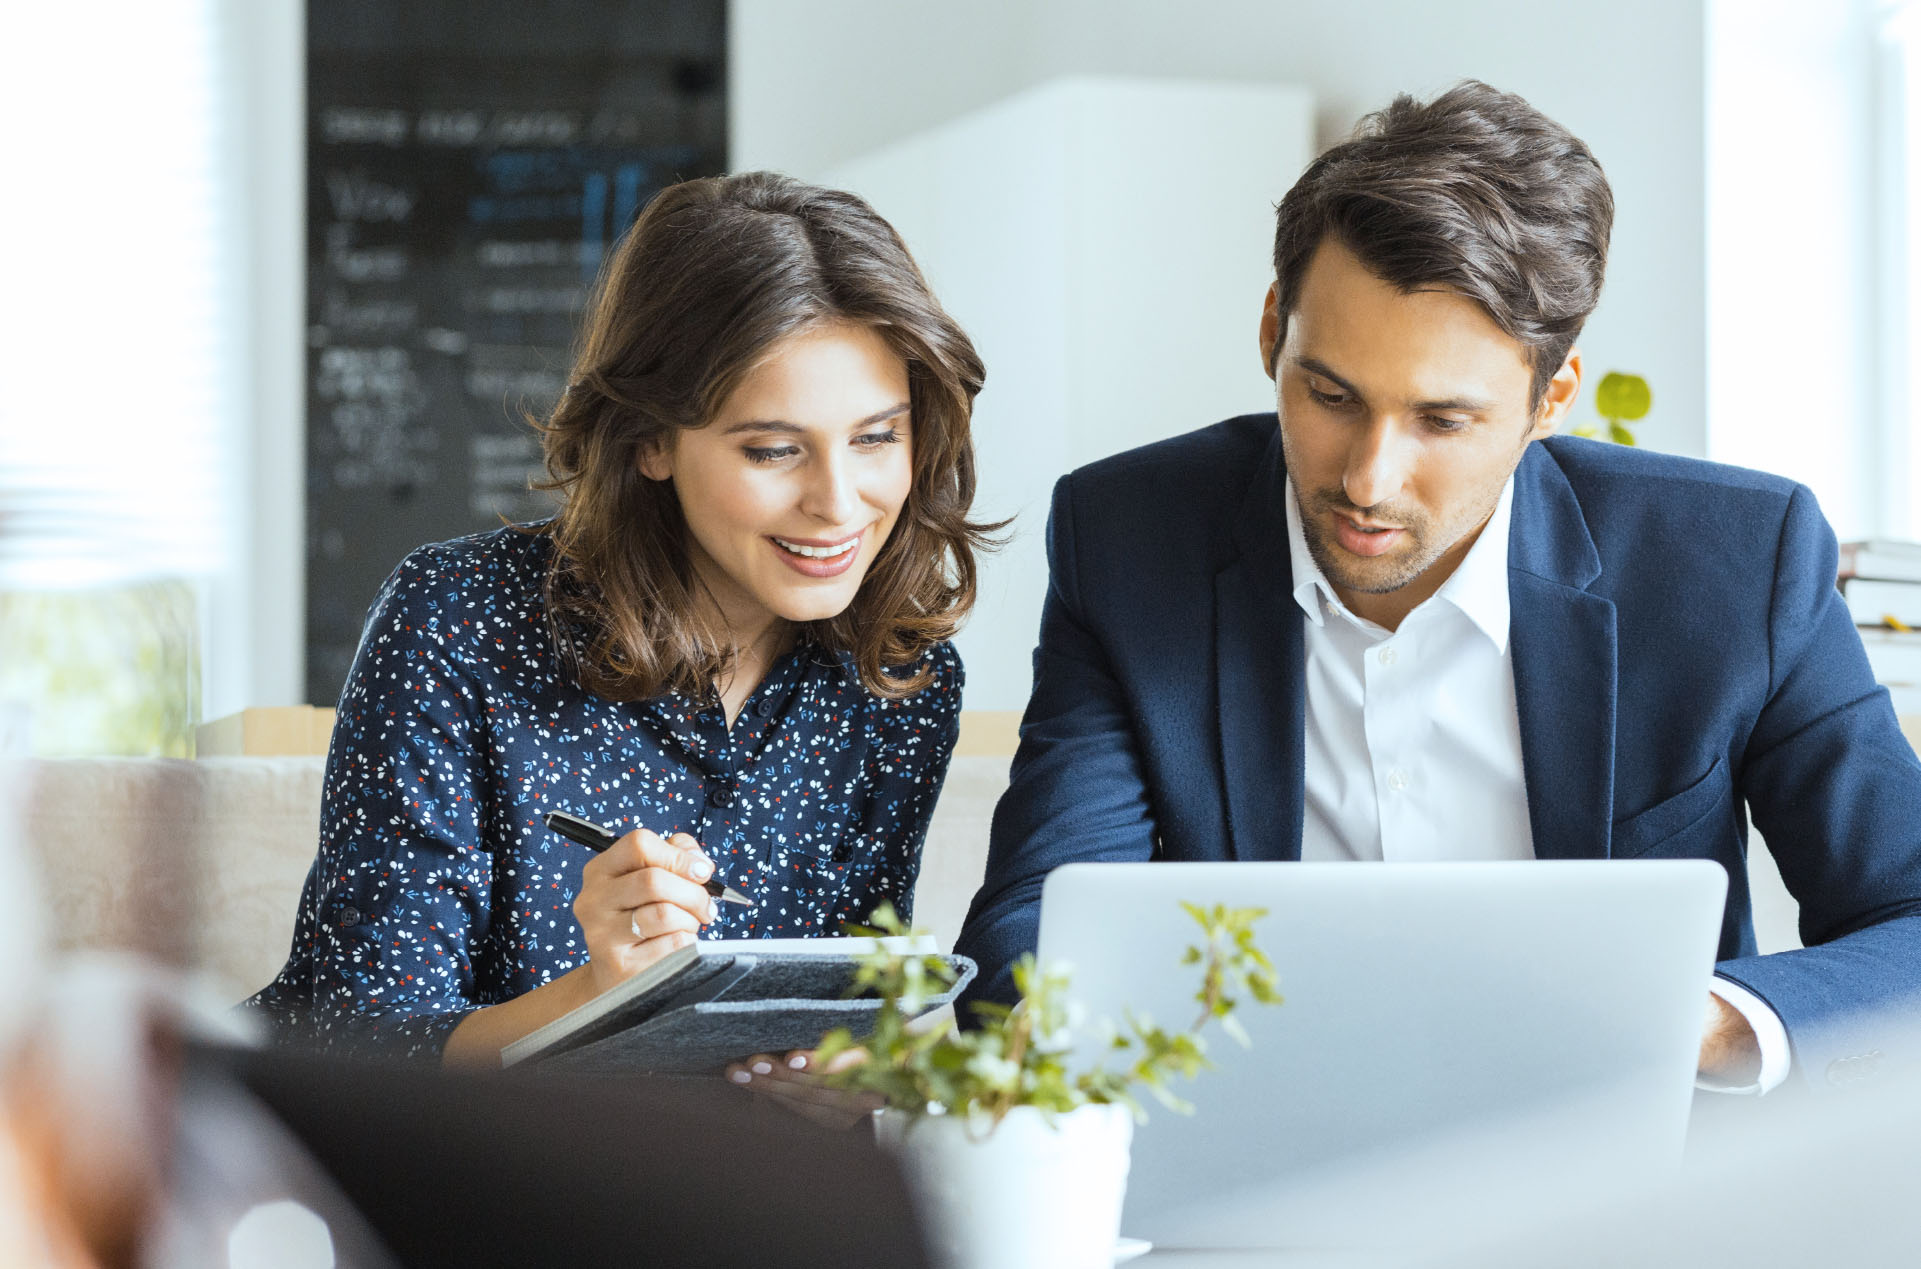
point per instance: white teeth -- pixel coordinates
(818, 552)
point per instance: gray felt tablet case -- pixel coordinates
(733, 1007)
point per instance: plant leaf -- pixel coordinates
(1623, 397)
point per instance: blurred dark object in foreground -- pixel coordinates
(449, 1167)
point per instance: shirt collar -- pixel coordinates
(1308, 578)
(1478, 587)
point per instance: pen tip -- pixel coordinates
(731, 895)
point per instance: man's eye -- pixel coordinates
(769, 453)
(1439, 423)
(1333, 400)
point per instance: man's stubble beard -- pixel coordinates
(1339, 566)
(1335, 562)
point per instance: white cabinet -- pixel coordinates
(1106, 243)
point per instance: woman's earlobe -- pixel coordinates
(653, 462)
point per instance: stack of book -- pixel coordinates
(1881, 581)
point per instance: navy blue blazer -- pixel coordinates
(1680, 653)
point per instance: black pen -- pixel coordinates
(597, 839)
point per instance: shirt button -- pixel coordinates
(1388, 656)
(1397, 779)
(720, 795)
(348, 916)
(764, 706)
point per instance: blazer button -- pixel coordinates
(349, 916)
(719, 796)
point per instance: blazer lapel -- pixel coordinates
(1258, 677)
(1563, 642)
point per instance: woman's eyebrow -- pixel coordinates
(781, 425)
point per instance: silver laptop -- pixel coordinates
(1450, 1032)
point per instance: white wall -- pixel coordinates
(838, 90)
(1792, 256)
(1059, 227)
(812, 85)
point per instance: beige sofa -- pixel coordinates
(200, 863)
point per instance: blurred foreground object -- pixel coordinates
(91, 1111)
(459, 1168)
(1814, 1181)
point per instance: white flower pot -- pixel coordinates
(1026, 1194)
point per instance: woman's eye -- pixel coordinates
(874, 440)
(769, 453)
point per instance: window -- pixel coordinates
(115, 478)
(1898, 205)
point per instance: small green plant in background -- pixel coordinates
(1019, 1056)
(1620, 399)
(108, 671)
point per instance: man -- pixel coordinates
(1409, 623)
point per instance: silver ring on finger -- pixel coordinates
(633, 923)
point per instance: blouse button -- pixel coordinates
(349, 916)
(764, 706)
(720, 795)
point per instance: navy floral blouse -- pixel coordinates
(438, 890)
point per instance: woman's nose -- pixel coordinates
(831, 495)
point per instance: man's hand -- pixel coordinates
(1729, 1052)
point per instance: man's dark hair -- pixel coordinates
(1475, 191)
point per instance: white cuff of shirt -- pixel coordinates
(1769, 1033)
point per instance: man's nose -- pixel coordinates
(1378, 464)
(831, 495)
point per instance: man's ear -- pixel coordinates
(1270, 327)
(1562, 390)
(656, 460)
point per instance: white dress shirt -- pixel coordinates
(1413, 738)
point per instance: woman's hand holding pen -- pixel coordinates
(639, 900)
(641, 896)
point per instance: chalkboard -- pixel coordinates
(469, 166)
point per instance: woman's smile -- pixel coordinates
(818, 557)
(817, 439)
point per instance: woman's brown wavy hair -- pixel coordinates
(711, 276)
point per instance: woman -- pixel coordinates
(731, 643)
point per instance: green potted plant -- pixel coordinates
(1620, 399)
(1015, 1140)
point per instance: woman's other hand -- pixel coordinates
(795, 1083)
(639, 900)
